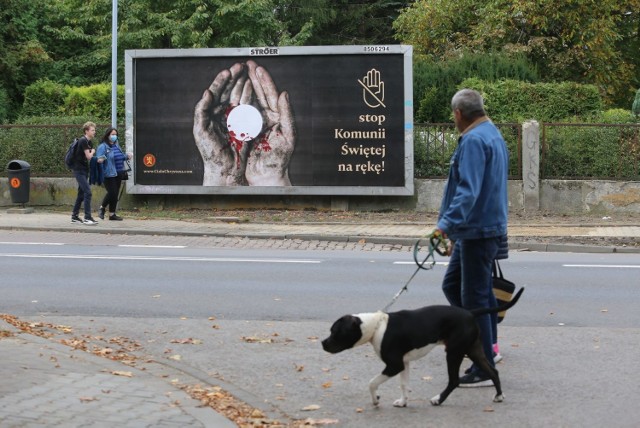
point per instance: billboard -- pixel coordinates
(331, 120)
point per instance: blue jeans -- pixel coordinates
(84, 193)
(468, 283)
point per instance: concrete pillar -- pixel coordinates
(531, 165)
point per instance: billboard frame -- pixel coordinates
(407, 189)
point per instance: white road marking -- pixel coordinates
(151, 246)
(155, 258)
(605, 266)
(414, 263)
(31, 243)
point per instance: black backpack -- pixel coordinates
(71, 156)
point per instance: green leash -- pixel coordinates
(437, 244)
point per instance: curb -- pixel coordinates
(514, 242)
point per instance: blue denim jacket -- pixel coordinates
(105, 151)
(475, 202)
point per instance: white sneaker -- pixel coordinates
(497, 358)
(89, 221)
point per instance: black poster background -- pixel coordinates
(325, 96)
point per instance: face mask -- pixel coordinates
(113, 138)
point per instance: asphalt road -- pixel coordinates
(255, 318)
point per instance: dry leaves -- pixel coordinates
(188, 341)
(122, 373)
(311, 408)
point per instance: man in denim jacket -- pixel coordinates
(473, 215)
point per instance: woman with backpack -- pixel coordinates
(112, 159)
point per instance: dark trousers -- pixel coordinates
(112, 184)
(84, 193)
(468, 283)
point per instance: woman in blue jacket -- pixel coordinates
(112, 159)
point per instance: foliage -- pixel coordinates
(635, 107)
(341, 22)
(43, 98)
(596, 151)
(435, 82)
(4, 104)
(587, 42)
(434, 145)
(42, 146)
(21, 51)
(516, 101)
(93, 101)
(616, 115)
(49, 98)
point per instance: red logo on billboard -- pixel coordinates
(15, 183)
(149, 160)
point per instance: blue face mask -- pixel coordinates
(113, 138)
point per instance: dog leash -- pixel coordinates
(437, 244)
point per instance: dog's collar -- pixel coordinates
(370, 325)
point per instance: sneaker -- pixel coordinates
(75, 219)
(89, 221)
(475, 380)
(101, 213)
(497, 358)
(115, 217)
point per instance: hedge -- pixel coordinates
(517, 101)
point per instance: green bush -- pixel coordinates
(435, 82)
(93, 101)
(602, 151)
(5, 106)
(43, 147)
(43, 98)
(434, 145)
(517, 101)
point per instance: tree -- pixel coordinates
(574, 40)
(21, 53)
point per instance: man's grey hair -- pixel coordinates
(469, 102)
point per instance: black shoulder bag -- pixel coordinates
(502, 288)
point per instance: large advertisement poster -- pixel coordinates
(288, 120)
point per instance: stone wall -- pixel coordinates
(555, 196)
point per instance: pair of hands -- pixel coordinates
(263, 161)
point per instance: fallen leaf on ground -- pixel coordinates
(253, 339)
(175, 357)
(315, 422)
(122, 373)
(188, 341)
(311, 408)
(326, 385)
(87, 399)
(488, 409)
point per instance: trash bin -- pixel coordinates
(18, 173)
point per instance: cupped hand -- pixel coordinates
(268, 162)
(224, 160)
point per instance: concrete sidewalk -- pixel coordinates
(535, 237)
(46, 384)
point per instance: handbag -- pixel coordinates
(124, 175)
(502, 288)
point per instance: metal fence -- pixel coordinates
(434, 143)
(568, 150)
(590, 151)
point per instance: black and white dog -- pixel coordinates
(404, 336)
